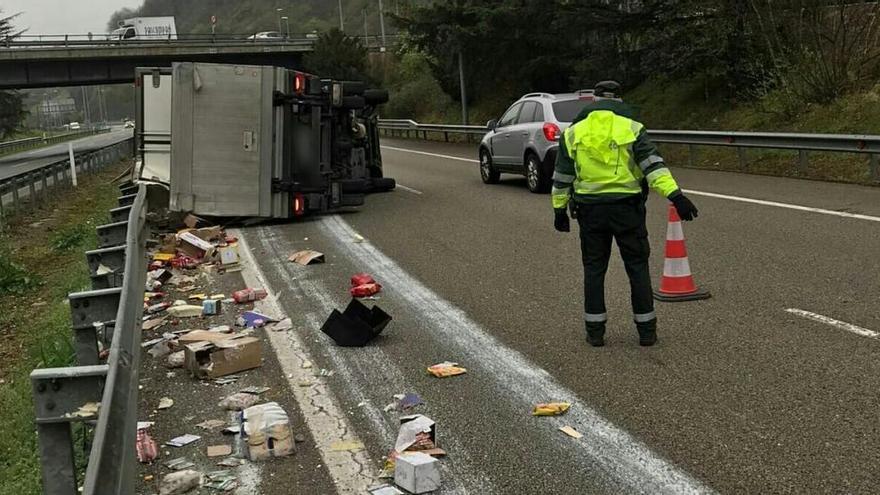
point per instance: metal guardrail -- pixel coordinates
(105, 39)
(109, 314)
(27, 143)
(800, 142)
(32, 187)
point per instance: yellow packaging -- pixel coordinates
(551, 409)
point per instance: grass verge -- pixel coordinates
(41, 261)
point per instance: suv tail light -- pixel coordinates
(551, 131)
(299, 83)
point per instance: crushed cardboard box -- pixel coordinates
(223, 357)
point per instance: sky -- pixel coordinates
(64, 16)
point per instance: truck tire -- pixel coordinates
(376, 96)
(353, 102)
(383, 184)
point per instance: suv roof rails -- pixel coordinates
(533, 95)
(585, 91)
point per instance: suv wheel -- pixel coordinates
(487, 171)
(536, 179)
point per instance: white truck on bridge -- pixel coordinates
(145, 28)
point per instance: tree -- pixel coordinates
(338, 56)
(12, 111)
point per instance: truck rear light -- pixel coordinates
(551, 131)
(299, 83)
(299, 205)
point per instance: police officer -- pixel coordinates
(604, 165)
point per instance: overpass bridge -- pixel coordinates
(76, 60)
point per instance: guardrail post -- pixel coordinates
(45, 190)
(803, 161)
(56, 458)
(32, 188)
(446, 136)
(15, 197)
(874, 166)
(88, 310)
(741, 155)
(692, 155)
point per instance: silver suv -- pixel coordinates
(525, 140)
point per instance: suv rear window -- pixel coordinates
(567, 110)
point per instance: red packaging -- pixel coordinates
(182, 261)
(146, 447)
(365, 290)
(361, 279)
(249, 295)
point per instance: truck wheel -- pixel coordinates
(487, 171)
(536, 179)
(376, 96)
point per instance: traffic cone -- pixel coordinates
(677, 283)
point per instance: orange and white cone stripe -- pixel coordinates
(677, 283)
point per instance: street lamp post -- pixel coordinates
(341, 24)
(278, 14)
(286, 24)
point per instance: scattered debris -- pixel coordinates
(160, 349)
(219, 450)
(229, 255)
(221, 329)
(409, 401)
(446, 369)
(158, 308)
(239, 401)
(194, 247)
(385, 489)
(212, 307)
(165, 403)
(416, 429)
(306, 365)
(182, 440)
(223, 357)
(253, 319)
(143, 425)
(185, 311)
(325, 372)
(221, 480)
(265, 431)
(255, 390)
(417, 473)
(152, 342)
(357, 325)
(175, 360)
(346, 446)
(568, 430)
(145, 446)
(551, 409)
(306, 257)
(211, 424)
(226, 381)
(249, 295)
(281, 326)
(232, 430)
(164, 257)
(87, 410)
(195, 336)
(178, 464)
(231, 462)
(103, 269)
(357, 238)
(180, 482)
(201, 296)
(153, 323)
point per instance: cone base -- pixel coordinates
(690, 296)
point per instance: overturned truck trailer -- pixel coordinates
(258, 141)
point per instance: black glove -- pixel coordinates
(560, 222)
(686, 210)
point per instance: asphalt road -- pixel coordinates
(26, 161)
(739, 396)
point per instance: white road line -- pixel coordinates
(409, 189)
(762, 202)
(784, 205)
(450, 157)
(849, 327)
(351, 471)
(613, 452)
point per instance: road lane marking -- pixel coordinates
(762, 202)
(620, 457)
(350, 471)
(849, 327)
(450, 157)
(409, 189)
(784, 205)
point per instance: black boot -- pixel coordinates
(596, 334)
(647, 332)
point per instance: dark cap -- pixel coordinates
(607, 89)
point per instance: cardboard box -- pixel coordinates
(265, 432)
(203, 336)
(193, 246)
(223, 357)
(417, 472)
